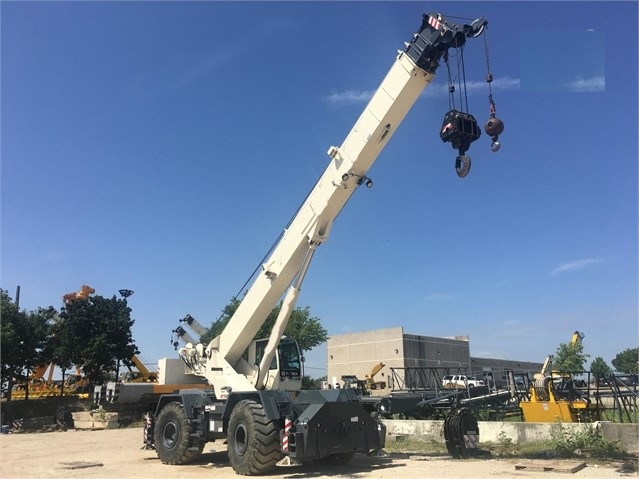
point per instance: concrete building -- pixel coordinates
(494, 369)
(357, 353)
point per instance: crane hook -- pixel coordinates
(493, 128)
(462, 165)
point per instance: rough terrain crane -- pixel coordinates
(255, 400)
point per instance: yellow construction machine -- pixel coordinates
(554, 397)
(84, 293)
(142, 375)
(40, 387)
(369, 381)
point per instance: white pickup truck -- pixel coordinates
(459, 381)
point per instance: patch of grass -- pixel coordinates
(590, 441)
(504, 440)
(412, 445)
(631, 416)
(564, 443)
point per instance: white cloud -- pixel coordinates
(202, 68)
(153, 84)
(575, 265)
(350, 97)
(513, 329)
(511, 322)
(353, 97)
(54, 256)
(439, 297)
(594, 84)
(474, 87)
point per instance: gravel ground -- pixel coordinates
(117, 453)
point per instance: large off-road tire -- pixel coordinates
(172, 441)
(253, 440)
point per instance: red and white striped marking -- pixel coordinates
(433, 22)
(147, 427)
(288, 425)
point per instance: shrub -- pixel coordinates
(588, 441)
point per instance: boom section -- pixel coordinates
(411, 72)
(349, 164)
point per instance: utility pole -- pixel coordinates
(125, 293)
(7, 416)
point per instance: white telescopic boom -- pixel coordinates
(411, 72)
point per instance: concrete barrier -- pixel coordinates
(95, 420)
(626, 433)
(517, 432)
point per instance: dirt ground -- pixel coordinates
(117, 453)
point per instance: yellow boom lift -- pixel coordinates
(553, 396)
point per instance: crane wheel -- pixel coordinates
(253, 440)
(172, 441)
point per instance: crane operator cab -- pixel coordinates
(286, 367)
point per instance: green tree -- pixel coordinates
(312, 383)
(23, 340)
(302, 326)
(627, 361)
(599, 368)
(570, 357)
(62, 346)
(101, 331)
(11, 358)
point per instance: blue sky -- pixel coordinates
(163, 146)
